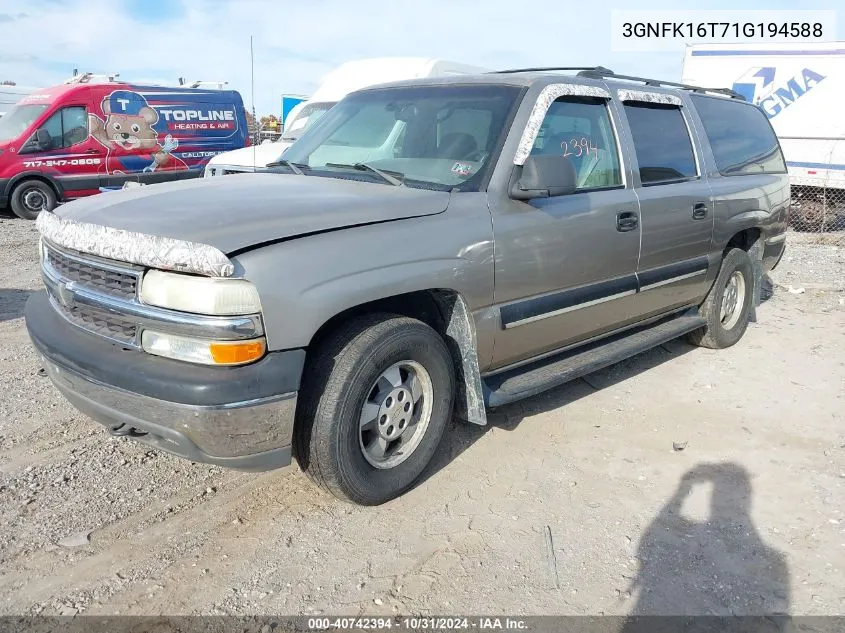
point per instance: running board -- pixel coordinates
(529, 380)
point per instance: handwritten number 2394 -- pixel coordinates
(578, 147)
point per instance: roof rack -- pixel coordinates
(600, 73)
(85, 78)
(598, 69)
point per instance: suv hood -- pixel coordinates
(253, 156)
(239, 211)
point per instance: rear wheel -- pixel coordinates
(728, 305)
(378, 398)
(31, 197)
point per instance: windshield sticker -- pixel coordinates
(462, 169)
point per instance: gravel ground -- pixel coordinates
(813, 262)
(681, 481)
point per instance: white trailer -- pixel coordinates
(801, 88)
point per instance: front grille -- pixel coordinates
(98, 322)
(89, 274)
(101, 296)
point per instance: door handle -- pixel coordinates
(699, 211)
(626, 221)
(92, 151)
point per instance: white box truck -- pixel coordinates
(801, 88)
(349, 77)
(10, 94)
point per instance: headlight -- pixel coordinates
(194, 350)
(199, 295)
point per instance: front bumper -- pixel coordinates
(238, 417)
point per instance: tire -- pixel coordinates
(30, 197)
(343, 375)
(723, 330)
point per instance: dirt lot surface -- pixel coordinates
(681, 481)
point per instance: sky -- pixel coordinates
(297, 43)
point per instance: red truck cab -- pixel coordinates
(71, 140)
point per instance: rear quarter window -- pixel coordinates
(740, 135)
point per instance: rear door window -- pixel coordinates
(740, 135)
(661, 142)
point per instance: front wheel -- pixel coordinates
(31, 197)
(378, 397)
(728, 305)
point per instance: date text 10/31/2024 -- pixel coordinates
(419, 623)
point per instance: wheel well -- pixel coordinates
(416, 305)
(744, 239)
(445, 311)
(750, 241)
(27, 178)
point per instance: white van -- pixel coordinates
(801, 88)
(346, 78)
(10, 95)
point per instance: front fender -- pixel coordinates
(304, 282)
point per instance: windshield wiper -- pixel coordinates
(386, 176)
(294, 167)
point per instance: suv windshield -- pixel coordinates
(439, 137)
(306, 118)
(16, 120)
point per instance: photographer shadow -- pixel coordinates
(714, 567)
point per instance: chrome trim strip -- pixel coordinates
(70, 293)
(587, 341)
(672, 280)
(579, 306)
(134, 344)
(776, 239)
(245, 403)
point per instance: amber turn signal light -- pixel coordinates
(236, 353)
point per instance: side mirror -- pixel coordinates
(38, 142)
(43, 138)
(544, 177)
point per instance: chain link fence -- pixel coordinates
(819, 212)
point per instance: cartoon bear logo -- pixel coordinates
(129, 135)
